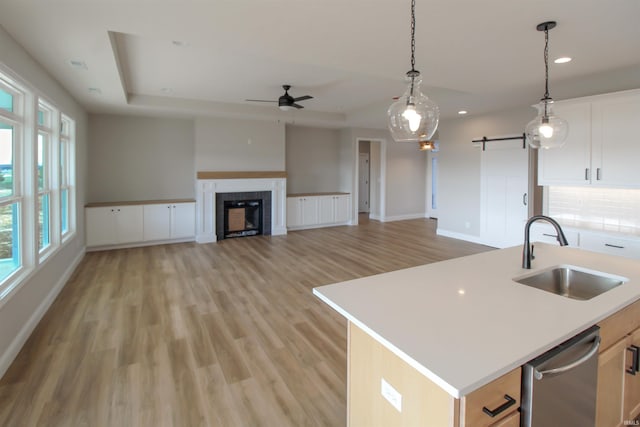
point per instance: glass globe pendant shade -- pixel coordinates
(413, 117)
(546, 130)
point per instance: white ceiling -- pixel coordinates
(350, 55)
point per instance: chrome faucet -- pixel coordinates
(527, 250)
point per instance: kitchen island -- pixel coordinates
(464, 323)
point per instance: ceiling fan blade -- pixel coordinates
(298, 106)
(302, 98)
(260, 100)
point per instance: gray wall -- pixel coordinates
(239, 145)
(140, 158)
(459, 168)
(312, 159)
(20, 311)
(406, 180)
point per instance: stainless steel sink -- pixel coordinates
(572, 282)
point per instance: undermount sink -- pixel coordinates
(572, 282)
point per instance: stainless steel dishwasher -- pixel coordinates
(559, 387)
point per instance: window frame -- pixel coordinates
(59, 176)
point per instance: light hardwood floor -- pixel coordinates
(222, 334)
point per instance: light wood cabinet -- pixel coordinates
(618, 394)
(422, 402)
(632, 376)
(601, 147)
(311, 211)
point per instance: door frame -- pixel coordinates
(381, 145)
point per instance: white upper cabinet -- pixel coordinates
(616, 141)
(603, 143)
(571, 163)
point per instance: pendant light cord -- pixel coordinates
(413, 72)
(413, 35)
(546, 64)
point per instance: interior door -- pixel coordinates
(363, 183)
(504, 193)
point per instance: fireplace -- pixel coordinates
(242, 214)
(242, 218)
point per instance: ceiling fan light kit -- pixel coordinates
(413, 117)
(546, 130)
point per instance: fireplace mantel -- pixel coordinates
(210, 183)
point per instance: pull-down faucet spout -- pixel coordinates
(527, 251)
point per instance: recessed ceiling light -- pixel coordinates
(562, 60)
(166, 90)
(462, 112)
(77, 64)
(95, 90)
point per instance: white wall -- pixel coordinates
(459, 167)
(239, 145)
(24, 308)
(140, 158)
(312, 159)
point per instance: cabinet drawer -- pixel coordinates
(545, 233)
(492, 396)
(610, 245)
(512, 420)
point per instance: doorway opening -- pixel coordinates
(369, 194)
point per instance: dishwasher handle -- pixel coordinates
(594, 348)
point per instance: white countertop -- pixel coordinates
(464, 322)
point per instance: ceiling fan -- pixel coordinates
(286, 102)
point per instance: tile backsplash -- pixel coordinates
(602, 209)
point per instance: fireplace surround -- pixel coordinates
(246, 213)
(210, 184)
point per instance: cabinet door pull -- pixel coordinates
(493, 412)
(598, 177)
(613, 246)
(635, 350)
(586, 174)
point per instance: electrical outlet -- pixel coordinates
(467, 225)
(392, 395)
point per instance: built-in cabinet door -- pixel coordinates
(342, 208)
(611, 377)
(632, 377)
(101, 226)
(294, 211)
(157, 222)
(571, 163)
(616, 141)
(310, 210)
(183, 220)
(326, 209)
(129, 220)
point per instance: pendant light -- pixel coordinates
(546, 130)
(413, 117)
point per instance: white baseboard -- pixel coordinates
(461, 236)
(16, 345)
(403, 217)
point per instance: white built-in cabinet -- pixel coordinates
(590, 240)
(132, 224)
(317, 210)
(602, 147)
(113, 225)
(169, 221)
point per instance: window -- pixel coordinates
(44, 177)
(67, 173)
(37, 180)
(10, 194)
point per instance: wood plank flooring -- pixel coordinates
(225, 334)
